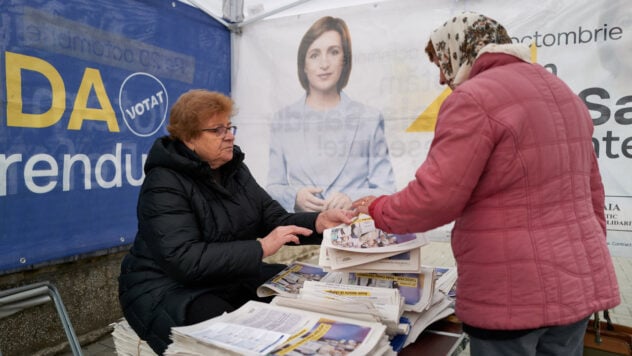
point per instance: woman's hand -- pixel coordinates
(333, 217)
(280, 236)
(362, 205)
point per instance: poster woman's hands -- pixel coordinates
(338, 200)
(308, 200)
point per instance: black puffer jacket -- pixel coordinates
(194, 236)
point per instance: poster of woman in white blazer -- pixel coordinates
(327, 149)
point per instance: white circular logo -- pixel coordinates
(143, 102)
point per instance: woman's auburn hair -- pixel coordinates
(193, 108)
(319, 27)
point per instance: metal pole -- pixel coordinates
(65, 320)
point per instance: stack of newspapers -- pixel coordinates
(266, 329)
(352, 303)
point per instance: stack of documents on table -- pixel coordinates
(441, 304)
(361, 247)
(382, 297)
(369, 295)
(416, 288)
(264, 329)
(318, 311)
(384, 305)
(427, 296)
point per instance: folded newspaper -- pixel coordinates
(360, 246)
(263, 329)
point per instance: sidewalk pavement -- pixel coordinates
(440, 254)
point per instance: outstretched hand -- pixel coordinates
(362, 205)
(280, 236)
(333, 217)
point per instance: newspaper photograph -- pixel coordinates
(289, 281)
(363, 236)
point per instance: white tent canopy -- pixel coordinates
(235, 14)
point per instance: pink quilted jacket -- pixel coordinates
(512, 163)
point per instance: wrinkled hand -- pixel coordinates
(362, 205)
(306, 200)
(333, 217)
(338, 200)
(280, 236)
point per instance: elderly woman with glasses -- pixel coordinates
(204, 225)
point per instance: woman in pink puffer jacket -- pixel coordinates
(512, 163)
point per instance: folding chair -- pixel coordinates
(16, 299)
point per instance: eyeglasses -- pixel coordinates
(221, 131)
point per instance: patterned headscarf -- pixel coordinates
(459, 41)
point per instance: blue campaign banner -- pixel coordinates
(85, 89)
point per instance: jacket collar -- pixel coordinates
(490, 60)
(174, 154)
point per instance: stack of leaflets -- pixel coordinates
(318, 311)
(382, 297)
(416, 288)
(384, 305)
(265, 329)
(361, 247)
(441, 304)
(309, 287)
(369, 295)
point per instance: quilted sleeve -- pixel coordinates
(444, 183)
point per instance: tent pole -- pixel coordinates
(231, 26)
(233, 10)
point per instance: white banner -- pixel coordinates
(586, 43)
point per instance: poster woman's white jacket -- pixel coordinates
(343, 149)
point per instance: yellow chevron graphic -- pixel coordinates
(427, 120)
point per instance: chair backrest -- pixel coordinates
(16, 299)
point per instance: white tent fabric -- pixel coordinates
(239, 13)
